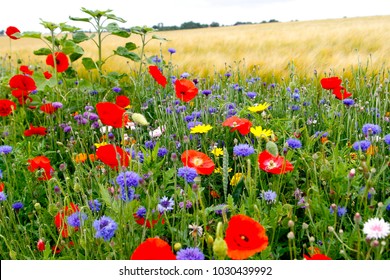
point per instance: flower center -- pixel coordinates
(376, 228)
(244, 238)
(271, 164)
(234, 124)
(197, 161)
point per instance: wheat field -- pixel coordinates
(337, 45)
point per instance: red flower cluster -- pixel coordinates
(22, 86)
(235, 123)
(26, 70)
(35, 130)
(10, 31)
(157, 75)
(48, 108)
(199, 161)
(334, 84)
(61, 61)
(111, 114)
(153, 249)
(41, 162)
(6, 107)
(185, 90)
(113, 156)
(61, 217)
(244, 237)
(274, 164)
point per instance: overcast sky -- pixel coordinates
(26, 14)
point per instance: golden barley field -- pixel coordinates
(334, 45)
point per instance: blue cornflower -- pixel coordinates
(5, 149)
(386, 138)
(222, 208)
(187, 173)
(17, 205)
(185, 75)
(269, 196)
(1, 174)
(93, 92)
(189, 118)
(76, 219)
(192, 124)
(105, 228)
(57, 105)
(295, 107)
(371, 129)
(251, 94)
(361, 145)
(190, 254)
(348, 102)
(188, 204)
(196, 114)
(243, 150)
(294, 143)
(3, 196)
(165, 205)
(212, 110)
(206, 92)
(128, 178)
(150, 144)
(341, 211)
(116, 89)
(296, 96)
(162, 152)
(94, 205)
(388, 207)
(171, 50)
(141, 212)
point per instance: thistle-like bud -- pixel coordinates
(272, 148)
(139, 119)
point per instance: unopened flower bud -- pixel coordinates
(352, 173)
(312, 239)
(291, 223)
(357, 218)
(305, 226)
(290, 235)
(209, 239)
(139, 119)
(374, 243)
(272, 148)
(177, 246)
(41, 245)
(331, 229)
(77, 187)
(37, 206)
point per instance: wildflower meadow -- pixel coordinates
(150, 163)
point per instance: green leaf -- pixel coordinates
(70, 47)
(96, 13)
(88, 63)
(159, 38)
(130, 46)
(31, 34)
(68, 28)
(121, 33)
(79, 37)
(42, 51)
(114, 17)
(74, 56)
(80, 19)
(122, 51)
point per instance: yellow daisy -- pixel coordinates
(236, 179)
(97, 145)
(259, 132)
(202, 128)
(259, 107)
(217, 152)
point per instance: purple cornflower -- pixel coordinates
(76, 219)
(187, 173)
(348, 102)
(93, 92)
(294, 143)
(67, 128)
(162, 152)
(91, 116)
(128, 178)
(105, 228)
(141, 212)
(269, 196)
(295, 107)
(212, 110)
(17, 206)
(341, 211)
(371, 129)
(57, 105)
(165, 205)
(206, 92)
(192, 124)
(243, 150)
(361, 145)
(171, 50)
(150, 144)
(3, 196)
(296, 96)
(185, 75)
(251, 94)
(190, 254)
(5, 149)
(222, 208)
(386, 138)
(116, 89)
(388, 207)
(89, 108)
(94, 205)
(188, 204)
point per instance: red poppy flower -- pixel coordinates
(10, 31)
(62, 62)
(157, 75)
(330, 83)
(26, 70)
(341, 93)
(6, 107)
(316, 257)
(235, 123)
(122, 101)
(274, 164)
(48, 108)
(35, 130)
(111, 114)
(153, 249)
(1, 186)
(185, 90)
(244, 237)
(41, 245)
(199, 161)
(149, 224)
(113, 156)
(60, 220)
(23, 83)
(41, 162)
(47, 75)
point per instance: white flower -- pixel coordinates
(157, 132)
(106, 129)
(130, 125)
(195, 230)
(376, 228)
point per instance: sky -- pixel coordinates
(27, 14)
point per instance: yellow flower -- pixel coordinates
(236, 179)
(259, 107)
(259, 132)
(202, 128)
(97, 145)
(217, 152)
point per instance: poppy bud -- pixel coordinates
(37, 206)
(177, 246)
(220, 246)
(272, 148)
(209, 239)
(12, 255)
(41, 245)
(139, 119)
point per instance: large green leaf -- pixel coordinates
(122, 51)
(79, 37)
(114, 17)
(68, 28)
(130, 46)
(159, 38)
(74, 56)
(70, 47)
(80, 19)
(42, 51)
(31, 34)
(88, 63)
